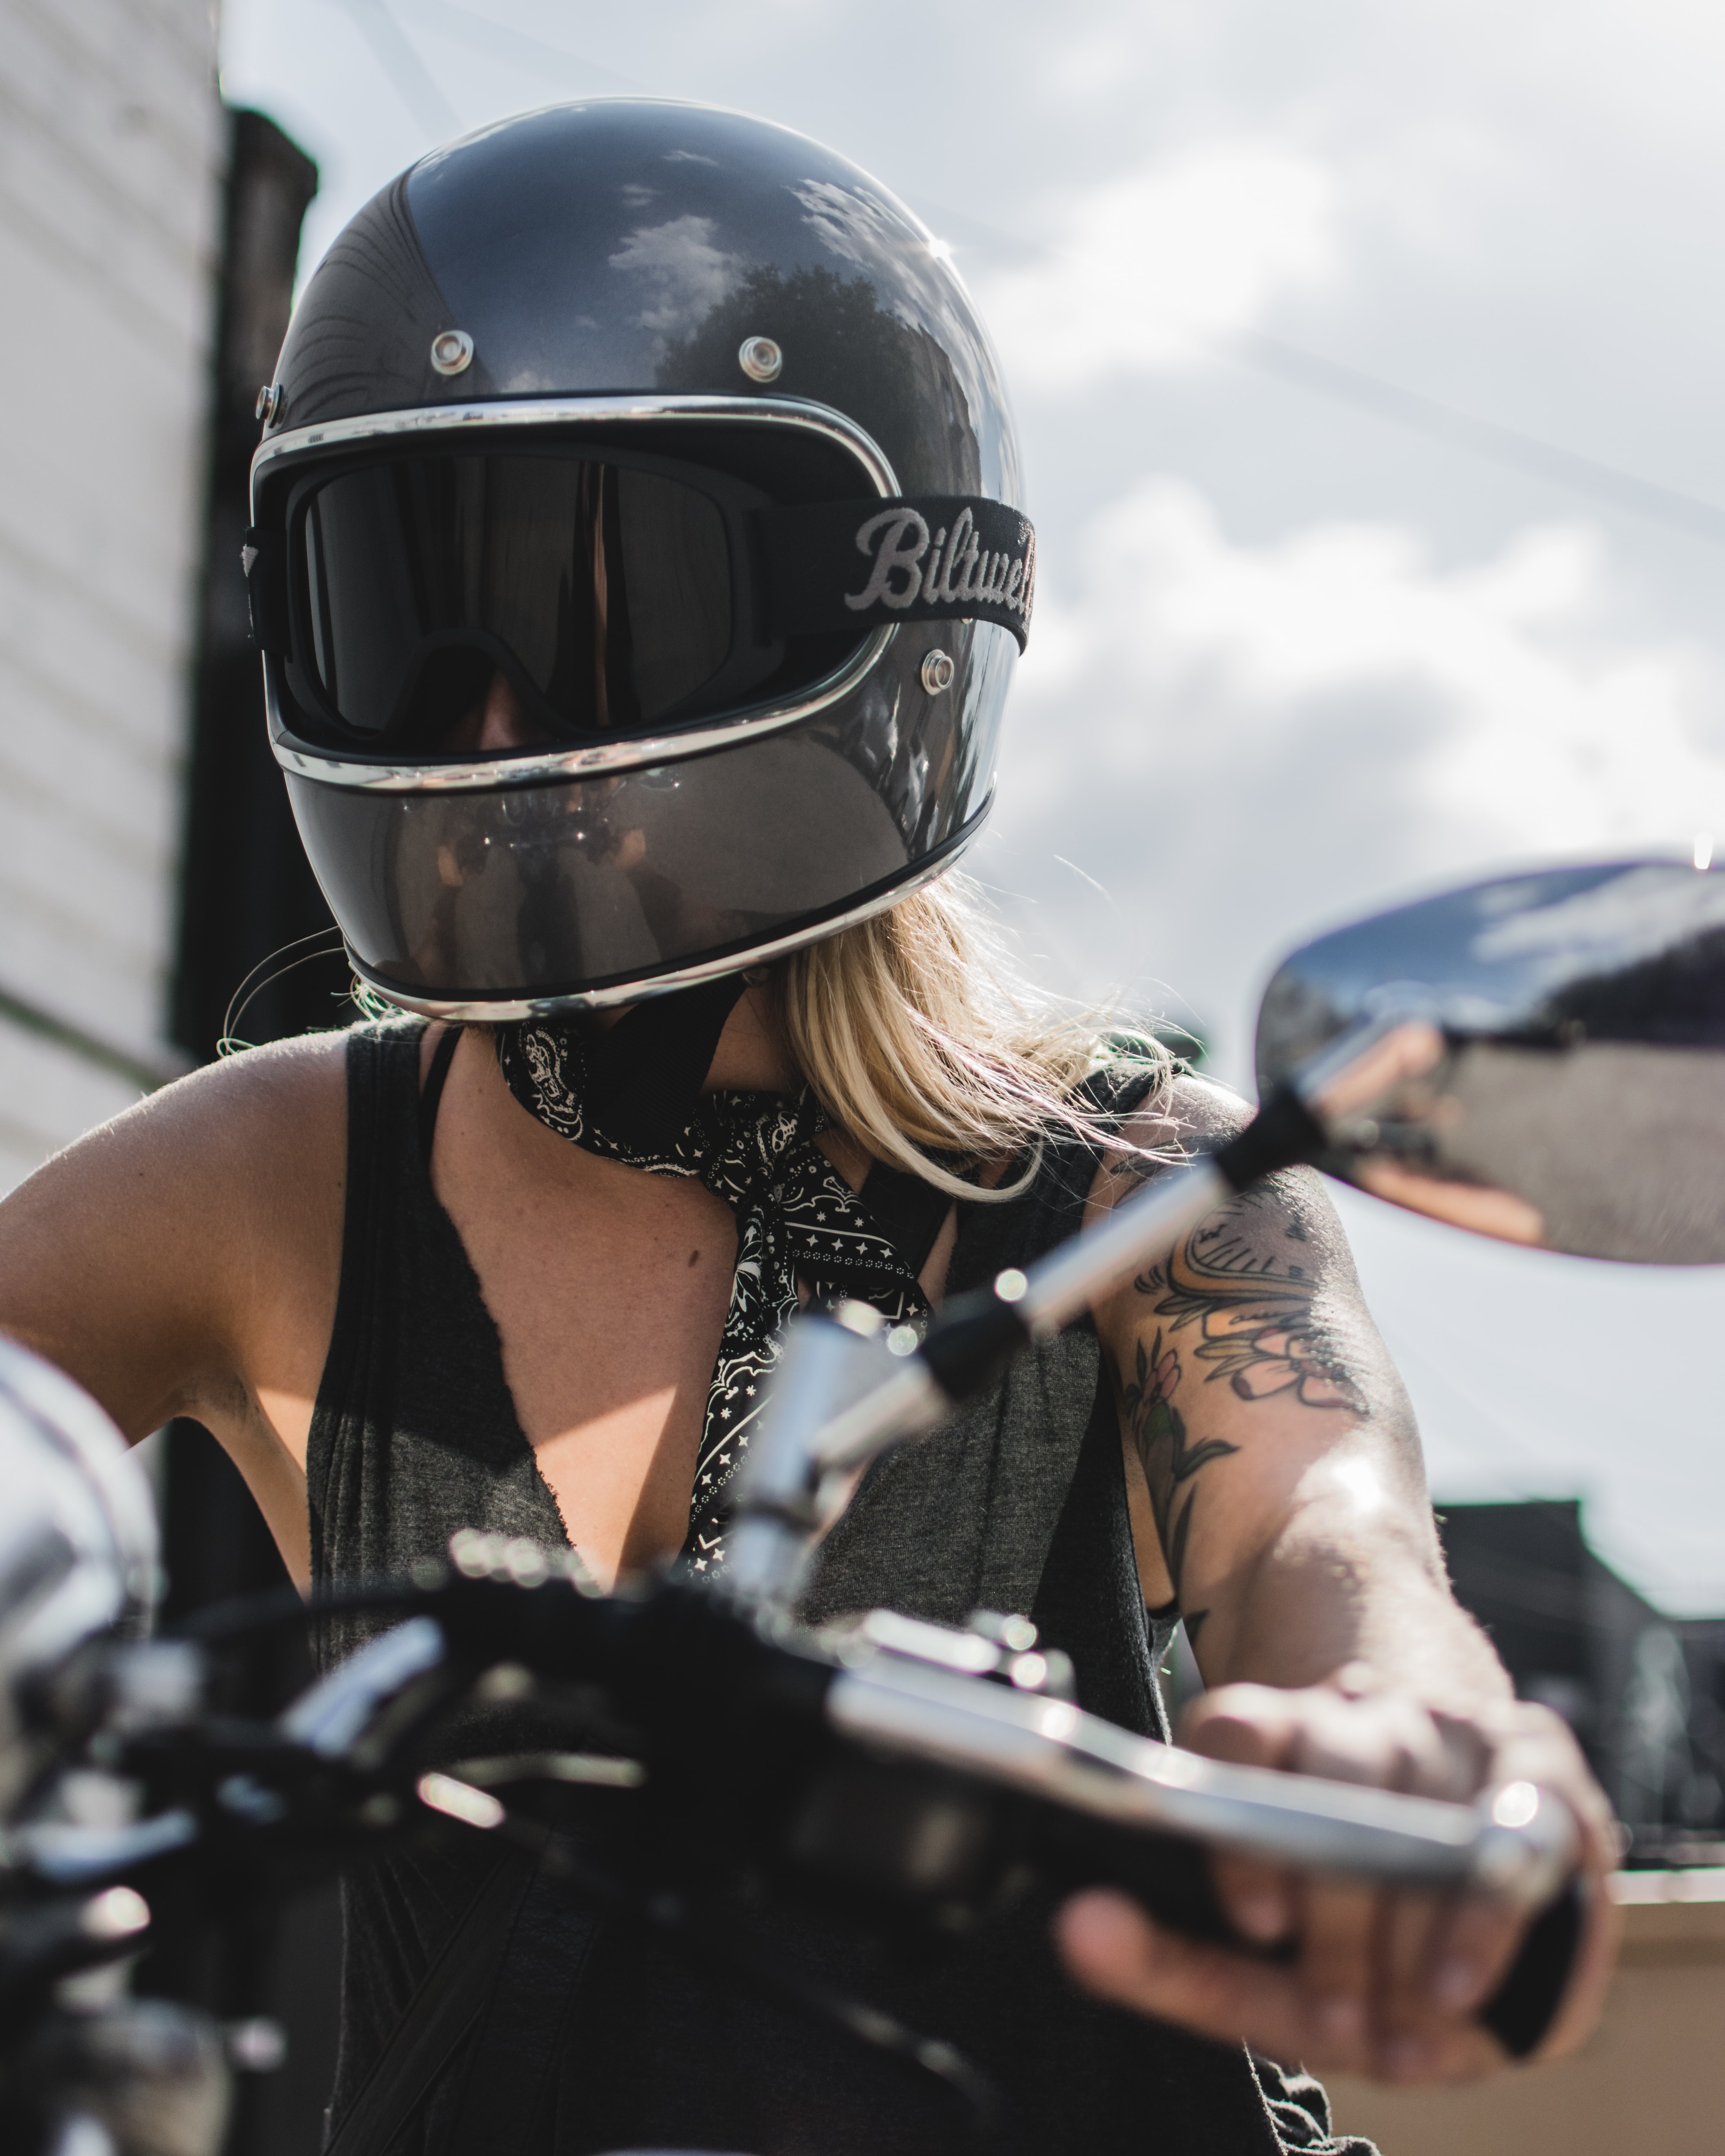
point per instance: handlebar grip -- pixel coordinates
(1525, 2004)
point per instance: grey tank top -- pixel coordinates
(1018, 1505)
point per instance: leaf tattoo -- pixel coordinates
(1168, 1458)
(1258, 1327)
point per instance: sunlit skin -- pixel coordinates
(1311, 1561)
(494, 725)
(185, 1260)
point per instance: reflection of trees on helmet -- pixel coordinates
(841, 347)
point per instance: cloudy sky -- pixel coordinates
(1368, 365)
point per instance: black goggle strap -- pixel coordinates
(823, 565)
(832, 565)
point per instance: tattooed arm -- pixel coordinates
(1278, 1502)
(1257, 1401)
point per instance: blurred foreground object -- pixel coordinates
(80, 2065)
(1644, 1692)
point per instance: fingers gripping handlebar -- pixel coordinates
(900, 1763)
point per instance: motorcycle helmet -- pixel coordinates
(638, 559)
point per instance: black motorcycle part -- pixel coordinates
(733, 1724)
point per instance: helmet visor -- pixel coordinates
(481, 896)
(612, 592)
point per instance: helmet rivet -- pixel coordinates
(451, 351)
(937, 672)
(270, 399)
(760, 359)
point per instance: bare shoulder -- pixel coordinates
(1285, 1225)
(1187, 1115)
(261, 1120)
(1187, 1110)
(144, 1256)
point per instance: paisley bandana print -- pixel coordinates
(796, 1215)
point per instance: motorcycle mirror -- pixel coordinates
(1540, 1058)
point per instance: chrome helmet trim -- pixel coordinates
(596, 759)
(296, 442)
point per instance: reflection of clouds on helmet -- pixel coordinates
(852, 222)
(892, 247)
(688, 274)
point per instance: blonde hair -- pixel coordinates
(918, 1035)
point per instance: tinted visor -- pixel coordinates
(613, 594)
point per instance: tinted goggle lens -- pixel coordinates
(604, 592)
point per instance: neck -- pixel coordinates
(751, 1057)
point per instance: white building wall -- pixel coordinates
(111, 142)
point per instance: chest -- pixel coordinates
(608, 1289)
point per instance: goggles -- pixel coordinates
(612, 595)
(616, 592)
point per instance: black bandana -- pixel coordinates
(796, 1215)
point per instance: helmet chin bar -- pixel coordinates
(479, 1011)
(496, 899)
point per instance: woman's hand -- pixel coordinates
(1382, 1984)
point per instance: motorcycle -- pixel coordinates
(1536, 1058)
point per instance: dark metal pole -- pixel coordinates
(245, 892)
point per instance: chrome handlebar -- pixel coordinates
(1516, 1843)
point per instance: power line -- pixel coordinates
(521, 47)
(413, 82)
(1334, 380)
(1417, 413)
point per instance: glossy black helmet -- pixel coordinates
(638, 559)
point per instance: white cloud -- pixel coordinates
(1241, 740)
(1550, 735)
(1153, 265)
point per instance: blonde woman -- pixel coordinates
(638, 567)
